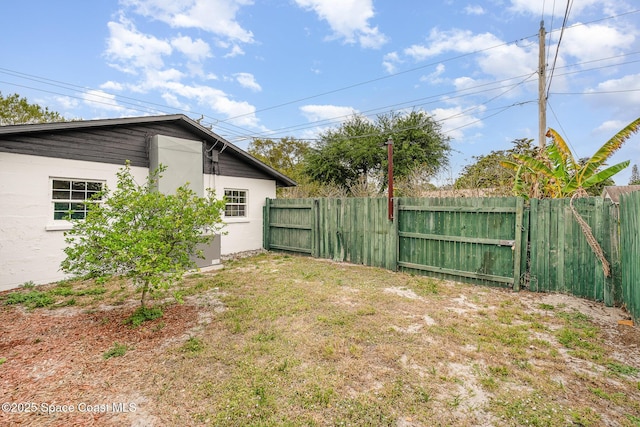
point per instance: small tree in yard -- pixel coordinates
(140, 233)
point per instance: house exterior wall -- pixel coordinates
(32, 243)
(243, 234)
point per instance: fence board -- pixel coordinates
(630, 251)
(561, 258)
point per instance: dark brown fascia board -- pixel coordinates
(281, 180)
(80, 124)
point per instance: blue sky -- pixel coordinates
(276, 68)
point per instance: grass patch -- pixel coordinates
(192, 346)
(62, 294)
(30, 299)
(621, 369)
(143, 314)
(117, 350)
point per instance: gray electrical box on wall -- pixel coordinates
(183, 161)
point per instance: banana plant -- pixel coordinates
(555, 173)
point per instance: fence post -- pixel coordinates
(517, 249)
(315, 234)
(265, 224)
(396, 233)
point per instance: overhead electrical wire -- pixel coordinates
(553, 13)
(224, 125)
(462, 113)
(555, 58)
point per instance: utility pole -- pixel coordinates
(542, 83)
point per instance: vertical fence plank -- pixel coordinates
(533, 252)
(266, 227)
(517, 246)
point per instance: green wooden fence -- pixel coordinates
(475, 240)
(561, 259)
(496, 241)
(351, 230)
(630, 245)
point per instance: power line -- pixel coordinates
(600, 92)
(562, 128)
(147, 106)
(460, 93)
(100, 94)
(407, 104)
(555, 58)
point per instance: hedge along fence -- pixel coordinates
(495, 241)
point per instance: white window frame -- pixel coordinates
(78, 196)
(230, 202)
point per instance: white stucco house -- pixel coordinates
(48, 169)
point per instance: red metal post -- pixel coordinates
(390, 176)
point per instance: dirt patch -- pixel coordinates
(55, 364)
(323, 343)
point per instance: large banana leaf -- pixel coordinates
(559, 146)
(609, 147)
(605, 174)
(535, 165)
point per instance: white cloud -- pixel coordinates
(464, 83)
(434, 78)
(103, 101)
(194, 50)
(248, 80)
(624, 95)
(456, 120)
(510, 60)
(494, 57)
(217, 100)
(111, 85)
(348, 19)
(131, 50)
(390, 61)
(595, 41)
(536, 7)
(155, 79)
(235, 51)
(67, 103)
(213, 16)
(174, 102)
(315, 113)
(474, 10)
(456, 40)
(610, 127)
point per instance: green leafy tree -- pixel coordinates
(142, 234)
(357, 148)
(555, 173)
(487, 171)
(285, 155)
(16, 110)
(635, 176)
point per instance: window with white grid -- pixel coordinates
(71, 197)
(236, 200)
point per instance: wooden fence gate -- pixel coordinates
(471, 240)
